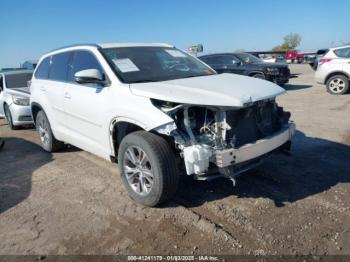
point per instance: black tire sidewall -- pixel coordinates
(259, 76)
(154, 196)
(39, 116)
(8, 117)
(344, 78)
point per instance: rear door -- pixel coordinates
(344, 58)
(55, 89)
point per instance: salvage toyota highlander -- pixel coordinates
(158, 112)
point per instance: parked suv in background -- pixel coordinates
(334, 70)
(14, 97)
(249, 65)
(156, 110)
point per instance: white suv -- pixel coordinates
(334, 70)
(158, 112)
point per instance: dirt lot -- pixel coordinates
(74, 203)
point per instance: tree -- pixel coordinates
(290, 41)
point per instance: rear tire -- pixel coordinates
(148, 169)
(8, 117)
(338, 85)
(48, 141)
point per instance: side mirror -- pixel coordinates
(89, 76)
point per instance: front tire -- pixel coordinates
(338, 85)
(259, 76)
(48, 141)
(8, 117)
(148, 169)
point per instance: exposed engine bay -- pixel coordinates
(205, 135)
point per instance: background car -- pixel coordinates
(334, 70)
(249, 65)
(14, 97)
(29, 64)
(313, 62)
(268, 59)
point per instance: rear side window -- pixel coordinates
(59, 66)
(83, 60)
(219, 60)
(343, 52)
(43, 70)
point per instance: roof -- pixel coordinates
(338, 47)
(115, 45)
(227, 53)
(111, 45)
(15, 72)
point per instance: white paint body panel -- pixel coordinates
(336, 65)
(83, 116)
(215, 90)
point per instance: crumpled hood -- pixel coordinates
(215, 90)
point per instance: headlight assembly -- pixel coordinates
(21, 101)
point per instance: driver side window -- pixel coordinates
(221, 60)
(83, 60)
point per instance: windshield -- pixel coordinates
(18, 80)
(248, 58)
(150, 64)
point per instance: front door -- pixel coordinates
(85, 106)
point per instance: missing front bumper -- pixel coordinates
(233, 156)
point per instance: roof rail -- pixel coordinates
(75, 45)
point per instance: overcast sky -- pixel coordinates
(32, 27)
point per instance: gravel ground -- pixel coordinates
(74, 203)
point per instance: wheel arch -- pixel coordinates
(336, 73)
(119, 128)
(256, 72)
(35, 108)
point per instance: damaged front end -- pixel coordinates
(226, 139)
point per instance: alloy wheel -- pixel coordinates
(337, 85)
(138, 170)
(44, 131)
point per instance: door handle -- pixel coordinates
(67, 95)
(42, 88)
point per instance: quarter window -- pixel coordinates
(59, 66)
(343, 52)
(43, 70)
(83, 60)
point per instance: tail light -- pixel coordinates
(324, 60)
